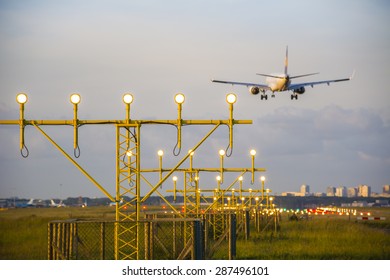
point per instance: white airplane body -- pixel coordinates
(53, 204)
(36, 203)
(281, 82)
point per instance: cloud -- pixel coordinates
(332, 130)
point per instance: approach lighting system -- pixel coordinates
(130, 174)
(21, 98)
(253, 152)
(75, 98)
(231, 98)
(127, 98)
(179, 98)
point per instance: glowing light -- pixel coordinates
(128, 98)
(221, 153)
(253, 152)
(21, 98)
(75, 98)
(179, 98)
(231, 98)
(160, 153)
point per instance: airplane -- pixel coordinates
(38, 203)
(281, 82)
(53, 204)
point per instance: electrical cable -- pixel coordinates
(26, 153)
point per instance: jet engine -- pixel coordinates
(254, 90)
(300, 90)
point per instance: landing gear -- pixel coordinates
(294, 96)
(263, 96)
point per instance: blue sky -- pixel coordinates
(335, 135)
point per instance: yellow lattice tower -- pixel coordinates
(127, 212)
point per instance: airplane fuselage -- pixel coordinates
(278, 84)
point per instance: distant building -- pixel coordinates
(359, 204)
(386, 189)
(305, 190)
(364, 191)
(288, 193)
(292, 194)
(341, 191)
(320, 194)
(330, 191)
(352, 192)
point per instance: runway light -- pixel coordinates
(75, 98)
(21, 98)
(174, 178)
(231, 98)
(253, 152)
(179, 98)
(160, 153)
(221, 153)
(127, 98)
(262, 178)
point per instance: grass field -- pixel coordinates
(23, 235)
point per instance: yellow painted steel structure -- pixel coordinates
(128, 162)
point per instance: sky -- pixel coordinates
(331, 136)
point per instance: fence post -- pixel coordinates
(206, 218)
(232, 236)
(50, 241)
(247, 221)
(197, 241)
(102, 240)
(147, 240)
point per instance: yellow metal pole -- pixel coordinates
(75, 127)
(138, 188)
(221, 155)
(174, 188)
(21, 125)
(231, 126)
(179, 108)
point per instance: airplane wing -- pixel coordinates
(312, 84)
(260, 86)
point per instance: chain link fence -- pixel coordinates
(158, 237)
(164, 238)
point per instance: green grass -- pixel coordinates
(23, 235)
(321, 238)
(23, 232)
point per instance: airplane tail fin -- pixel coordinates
(286, 62)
